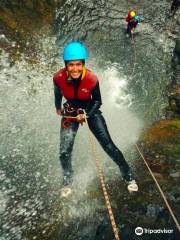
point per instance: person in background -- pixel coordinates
(132, 21)
(80, 88)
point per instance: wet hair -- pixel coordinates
(82, 60)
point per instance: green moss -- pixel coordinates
(163, 132)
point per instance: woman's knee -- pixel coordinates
(110, 148)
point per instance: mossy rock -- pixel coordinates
(164, 131)
(162, 139)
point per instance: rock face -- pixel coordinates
(174, 87)
(22, 21)
(161, 138)
(173, 93)
(20, 18)
(161, 149)
(27, 14)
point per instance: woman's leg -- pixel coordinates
(98, 127)
(67, 137)
(128, 30)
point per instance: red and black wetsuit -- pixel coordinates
(80, 93)
(85, 93)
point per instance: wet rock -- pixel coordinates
(29, 14)
(174, 99)
(20, 21)
(162, 140)
(177, 47)
(152, 210)
(173, 89)
(158, 175)
(29, 177)
(175, 174)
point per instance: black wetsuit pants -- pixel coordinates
(98, 127)
(130, 26)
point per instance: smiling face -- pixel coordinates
(75, 68)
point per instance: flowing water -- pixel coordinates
(133, 75)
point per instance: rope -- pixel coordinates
(103, 185)
(160, 190)
(134, 47)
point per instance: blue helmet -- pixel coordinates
(75, 51)
(137, 18)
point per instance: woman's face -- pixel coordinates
(75, 68)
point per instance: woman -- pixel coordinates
(80, 87)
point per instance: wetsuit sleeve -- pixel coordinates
(96, 101)
(57, 97)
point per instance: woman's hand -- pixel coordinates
(81, 117)
(59, 111)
